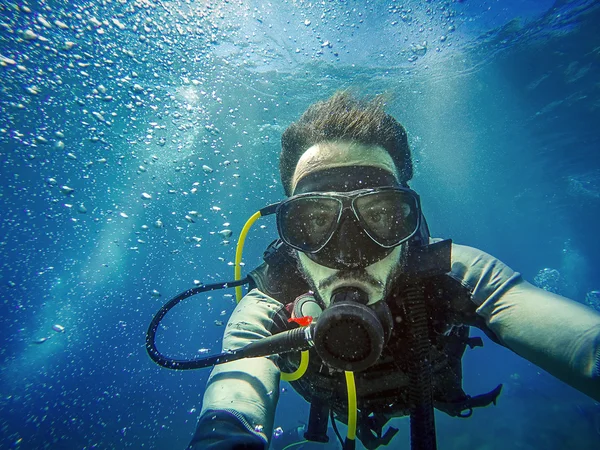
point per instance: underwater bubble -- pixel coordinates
(585, 184)
(225, 233)
(67, 190)
(44, 22)
(118, 24)
(99, 117)
(29, 35)
(548, 279)
(259, 428)
(207, 169)
(158, 224)
(592, 299)
(155, 293)
(146, 196)
(7, 61)
(277, 432)
(58, 328)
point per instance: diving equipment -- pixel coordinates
(349, 229)
(350, 335)
(389, 215)
(419, 262)
(346, 317)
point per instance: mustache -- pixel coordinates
(350, 275)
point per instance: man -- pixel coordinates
(349, 225)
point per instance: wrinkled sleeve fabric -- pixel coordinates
(557, 334)
(241, 396)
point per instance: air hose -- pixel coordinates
(422, 419)
(239, 250)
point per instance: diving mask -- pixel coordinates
(349, 229)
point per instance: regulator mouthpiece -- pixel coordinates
(350, 335)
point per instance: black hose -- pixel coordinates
(199, 363)
(422, 419)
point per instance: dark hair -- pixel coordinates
(343, 117)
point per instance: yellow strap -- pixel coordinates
(300, 371)
(238, 253)
(352, 408)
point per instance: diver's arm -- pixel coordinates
(557, 334)
(240, 399)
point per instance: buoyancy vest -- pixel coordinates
(383, 389)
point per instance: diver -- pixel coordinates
(385, 307)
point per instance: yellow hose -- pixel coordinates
(352, 408)
(238, 293)
(238, 253)
(300, 371)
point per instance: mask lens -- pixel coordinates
(389, 217)
(307, 223)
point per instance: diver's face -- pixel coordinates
(337, 159)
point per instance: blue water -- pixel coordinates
(119, 99)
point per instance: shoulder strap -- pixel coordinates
(278, 276)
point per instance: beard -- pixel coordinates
(353, 277)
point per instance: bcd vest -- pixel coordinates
(382, 389)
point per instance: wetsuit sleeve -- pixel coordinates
(557, 334)
(241, 396)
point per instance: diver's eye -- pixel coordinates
(375, 216)
(319, 219)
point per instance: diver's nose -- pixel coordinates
(348, 239)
